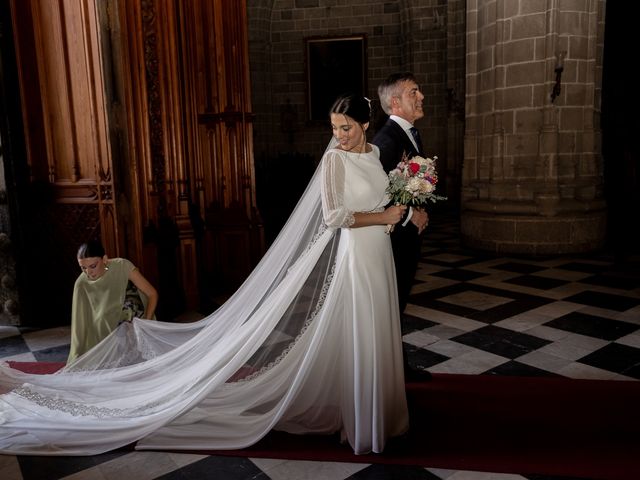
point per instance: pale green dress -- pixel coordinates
(100, 305)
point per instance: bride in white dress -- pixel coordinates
(310, 343)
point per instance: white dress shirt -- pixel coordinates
(406, 126)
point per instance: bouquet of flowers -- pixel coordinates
(413, 183)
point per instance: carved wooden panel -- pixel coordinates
(184, 70)
(140, 109)
(70, 196)
(221, 174)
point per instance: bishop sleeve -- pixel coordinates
(335, 213)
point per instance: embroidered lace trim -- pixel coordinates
(78, 409)
(349, 220)
(322, 297)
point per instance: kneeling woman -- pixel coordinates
(108, 292)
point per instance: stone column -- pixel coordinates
(532, 173)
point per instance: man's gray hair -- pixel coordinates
(391, 87)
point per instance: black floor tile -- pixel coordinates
(422, 359)
(613, 281)
(53, 354)
(514, 368)
(501, 341)
(583, 267)
(435, 237)
(518, 267)
(615, 357)
(469, 258)
(429, 302)
(533, 281)
(459, 274)
(618, 303)
(411, 323)
(50, 468)
(593, 326)
(435, 248)
(442, 263)
(14, 345)
(388, 472)
(213, 467)
(519, 303)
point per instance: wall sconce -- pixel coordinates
(558, 70)
(438, 20)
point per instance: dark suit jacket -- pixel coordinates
(393, 143)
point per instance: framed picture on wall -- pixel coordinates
(334, 65)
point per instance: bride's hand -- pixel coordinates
(394, 214)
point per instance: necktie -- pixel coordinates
(416, 137)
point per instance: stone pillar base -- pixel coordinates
(534, 234)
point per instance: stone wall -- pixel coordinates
(401, 35)
(425, 37)
(532, 176)
(518, 141)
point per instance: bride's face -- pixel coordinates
(349, 133)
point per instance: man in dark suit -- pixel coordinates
(401, 99)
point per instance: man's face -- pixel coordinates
(409, 104)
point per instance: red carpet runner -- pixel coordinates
(524, 425)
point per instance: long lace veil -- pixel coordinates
(208, 384)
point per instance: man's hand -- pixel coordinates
(420, 219)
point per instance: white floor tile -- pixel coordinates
(468, 475)
(52, 337)
(138, 465)
(475, 300)
(9, 468)
(443, 332)
(587, 372)
(449, 257)
(449, 348)
(523, 322)
(443, 318)
(21, 357)
(631, 340)
(565, 350)
(419, 338)
(544, 361)
(303, 470)
(6, 331)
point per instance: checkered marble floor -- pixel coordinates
(474, 313)
(470, 313)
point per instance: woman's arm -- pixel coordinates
(145, 287)
(389, 216)
(334, 211)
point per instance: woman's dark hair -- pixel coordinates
(91, 249)
(355, 106)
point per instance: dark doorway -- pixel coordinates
(621, 129)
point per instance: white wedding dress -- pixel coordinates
(310, 343)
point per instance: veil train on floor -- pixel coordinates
(235, 371)
(305, 345)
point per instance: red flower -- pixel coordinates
(414, 167)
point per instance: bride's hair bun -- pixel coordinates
(354, 105)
